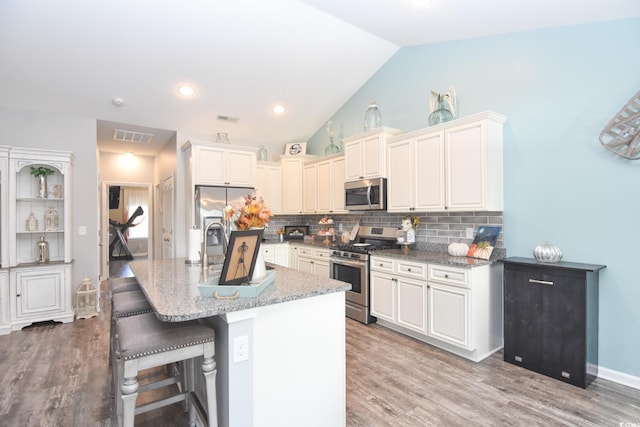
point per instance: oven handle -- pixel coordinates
(341, 261)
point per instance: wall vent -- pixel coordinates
(132, 136)
(228, 119)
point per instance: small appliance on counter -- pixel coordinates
(295, 232)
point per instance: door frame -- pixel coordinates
(104, 214)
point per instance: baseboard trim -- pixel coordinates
(619, 377)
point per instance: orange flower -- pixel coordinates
(254, 213)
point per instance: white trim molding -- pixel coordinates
(619, 377)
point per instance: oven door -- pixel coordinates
(354, 272)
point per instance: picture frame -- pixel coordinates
(240, 260)
(295, 149)
(484, 242)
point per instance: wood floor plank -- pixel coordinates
(55, 374)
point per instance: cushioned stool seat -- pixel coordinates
(124, 304)
(123, 284)
(145, 342)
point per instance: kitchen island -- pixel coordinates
(280, 356)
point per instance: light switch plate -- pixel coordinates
(82, 230)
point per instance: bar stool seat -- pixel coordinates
(145, 342)
(123, 284)
(125, 304)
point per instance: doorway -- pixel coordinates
(127, 226)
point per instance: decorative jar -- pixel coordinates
(263, 156)
(42, 251)
(222, 138)
(372, 118)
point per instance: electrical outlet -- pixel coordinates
(82, 230)
(469, 233)
(240, 349)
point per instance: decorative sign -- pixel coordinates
(295, 149)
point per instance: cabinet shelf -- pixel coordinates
(40, 232)
(39, 199)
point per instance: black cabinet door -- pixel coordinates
(544, 321)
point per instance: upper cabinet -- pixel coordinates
(292, 185)
(212, 165)
(454, 166)
(269, 185)
(365, 154)
(39, 204)
(324, 186)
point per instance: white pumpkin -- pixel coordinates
(547, 253)
(458, 249)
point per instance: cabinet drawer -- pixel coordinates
(306, 252)
(412, 269)
(382, 264)
(321, 253)
(449, 275)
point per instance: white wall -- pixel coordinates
(76, 134)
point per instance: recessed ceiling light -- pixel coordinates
(186, 90)
(278, 109)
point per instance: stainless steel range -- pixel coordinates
(350, 263)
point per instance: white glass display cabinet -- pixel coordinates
(40, 209)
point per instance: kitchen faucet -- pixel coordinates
(212, 224)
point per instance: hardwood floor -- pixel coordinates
(57, 375)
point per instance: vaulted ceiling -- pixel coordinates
(242, 57)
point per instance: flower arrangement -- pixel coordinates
(280, 231)
(254, 213)
(409, 222)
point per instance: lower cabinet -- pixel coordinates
(551, 318)
(276, 253)
(5, 307)
(458, 309)
(41, 293)
(313, 260)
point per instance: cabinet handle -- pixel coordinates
(542, 282)
(446, 276)
(408, 269)
(518, 358)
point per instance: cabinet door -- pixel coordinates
(5, 316)
(240, 168)
(337, 175)
(292, 186)
(383, 296)
(282, 254)
(449, 315)
(310, 179)
(400, 176)
(412, 302)
(324, 187)
(40, 293)
(372, 157)
(353, 160)
(269, 253)
(306, 265)
(321, 268)
(466, 167)
(269, 186)
(211, 167)
(429, 186)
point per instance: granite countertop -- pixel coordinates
(436, 257)
(171, 286)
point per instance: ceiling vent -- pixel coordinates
(228, 119)
(131, 136)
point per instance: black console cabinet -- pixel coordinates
(551, 318)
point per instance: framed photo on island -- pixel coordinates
(295, 149)
(241, 256)
(484, 242)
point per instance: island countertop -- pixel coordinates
(171, 286)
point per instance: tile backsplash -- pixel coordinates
(437, 228)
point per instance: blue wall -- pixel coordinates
(559, 88)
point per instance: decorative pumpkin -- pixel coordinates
(483, 250)
(458, 249)
(547, 253)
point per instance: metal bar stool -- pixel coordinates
(145, 342)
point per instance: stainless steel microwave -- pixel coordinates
(366, 194)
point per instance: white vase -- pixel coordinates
(260, 269)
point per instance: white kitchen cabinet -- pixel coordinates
(455, 308)
(454, 166)
(292, 185)
(276, 253)
(5, 306)
(311, 189)
(324, 186)
(416, 178)
(41, 293)
(365, 154)
(213, 165)
(269, 185)
(474, 164)
(313, 260)
(4, 207)
(399, 292)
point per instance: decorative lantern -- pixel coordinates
(86, 298)
(51, 219)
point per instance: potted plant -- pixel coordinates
(41, 173)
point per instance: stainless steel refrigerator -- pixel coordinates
(209, 206)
